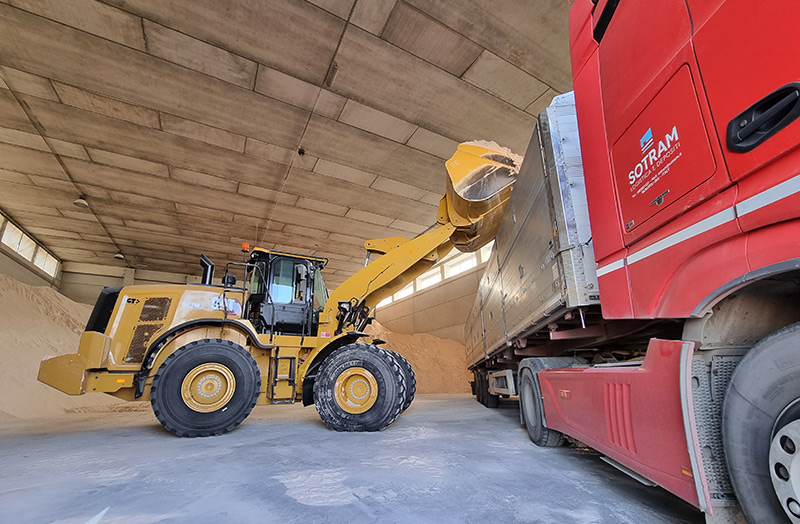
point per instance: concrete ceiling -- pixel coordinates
(180, 121)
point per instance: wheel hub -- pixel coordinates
(208, 387)
(356, 390)
(784, 466)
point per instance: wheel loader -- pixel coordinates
(205, 354)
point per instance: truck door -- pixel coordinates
(749, 56)
(656, 116)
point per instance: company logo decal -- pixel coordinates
(646, 142)
(656, 161)
(229, 305)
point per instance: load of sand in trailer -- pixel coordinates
(37, 321)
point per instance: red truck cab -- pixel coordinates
(688, 120)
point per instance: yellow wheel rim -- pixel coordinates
(208, 387)
(356, 390)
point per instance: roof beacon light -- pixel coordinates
(245, 247)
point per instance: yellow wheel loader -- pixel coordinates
(205, 354)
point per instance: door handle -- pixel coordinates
(757, 123)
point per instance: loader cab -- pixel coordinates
(286, 293)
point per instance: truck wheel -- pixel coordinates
(492, 401)
(207, 387)
(530, 402)
(411, 377)
(478, 386)
(759, 428)
(359, 387)
(486, 398)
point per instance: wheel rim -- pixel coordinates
(356, 390)
(208, 387)
(784, 465)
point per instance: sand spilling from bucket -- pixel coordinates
(439, 363)
(35, 322)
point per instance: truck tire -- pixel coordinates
(205, 388)
(492, 401)
(484, 397)
(530, 402)
(479, 387)
(762, 398)
(411, 378)
(359, 387)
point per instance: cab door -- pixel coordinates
(288, 307)
(664, 152)
(749, 56)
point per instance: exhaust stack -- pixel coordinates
(208, 269)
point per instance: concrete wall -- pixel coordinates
(440, 310)
(17, 268)
(83, 282)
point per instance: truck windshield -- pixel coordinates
(320, 292)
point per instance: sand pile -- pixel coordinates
(440, 363)
(36, 322)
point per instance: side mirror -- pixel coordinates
(228, 280)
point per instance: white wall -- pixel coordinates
(440, 310)
(19, 269)
(83, 282)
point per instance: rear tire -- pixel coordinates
(411, 378)
(205, 388)
(359, 387)
(492, 401)
(761, 399)
(484, 397)
(531, 405)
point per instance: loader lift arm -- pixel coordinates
(479, 182)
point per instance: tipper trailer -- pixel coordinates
(643, 293)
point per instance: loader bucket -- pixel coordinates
(479, 182)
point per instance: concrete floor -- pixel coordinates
(446, 460)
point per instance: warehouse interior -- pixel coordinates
(181, 124)
(137, 136)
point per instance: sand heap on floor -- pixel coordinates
(35, 322)
(439, 363)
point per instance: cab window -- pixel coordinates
(320, 293)
(282, 289)
(300, 282)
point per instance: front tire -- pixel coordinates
(761, 400)
(205, 388)
(531, 405)
(359, 387)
